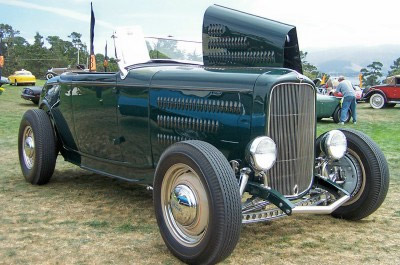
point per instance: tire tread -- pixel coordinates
(379, 177)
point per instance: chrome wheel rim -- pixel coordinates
(377, 101)
(354, 175)
(28, 147)
(360, 175)
(184, 204)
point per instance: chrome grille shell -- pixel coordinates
(291, 124)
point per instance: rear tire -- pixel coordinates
(195, 171)
(37, 147)
(390, 105)
(337, 113)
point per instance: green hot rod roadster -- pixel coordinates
(228, 142)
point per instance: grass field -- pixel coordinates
(84, 218)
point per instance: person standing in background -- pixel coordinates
(349, 99)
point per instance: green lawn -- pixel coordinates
(84, 218)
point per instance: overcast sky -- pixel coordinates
(320, 24)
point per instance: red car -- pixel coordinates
(333, 82)
(356, 88)
(385, 95)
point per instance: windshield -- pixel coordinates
(167, 48)
(133, 48)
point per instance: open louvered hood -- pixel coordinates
(234, 38)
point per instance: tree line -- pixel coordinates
(371, 74)
(37, 58)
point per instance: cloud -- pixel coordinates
(334, 23)
(58, 11)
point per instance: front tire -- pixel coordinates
(37, 147)
(377, 101)
(197, 202)
(366, 176)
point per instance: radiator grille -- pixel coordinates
(291, 124)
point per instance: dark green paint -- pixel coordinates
(122, 126)
(329, 185)
(271, 195)
(199, 88)
(234, 38)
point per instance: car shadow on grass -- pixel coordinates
(88, 184)
(27, 103)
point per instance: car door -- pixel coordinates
(397, 88)
(133, 120)
(94, 103)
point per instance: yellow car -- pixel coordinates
(22, 77)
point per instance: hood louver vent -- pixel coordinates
(233, 38)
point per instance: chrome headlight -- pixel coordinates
(261, 153)
(334, 144)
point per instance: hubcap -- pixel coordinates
(28, 146)
(184, 204)
(377, 101)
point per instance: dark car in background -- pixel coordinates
(32, 93)
(58, 71)
(4, 81)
